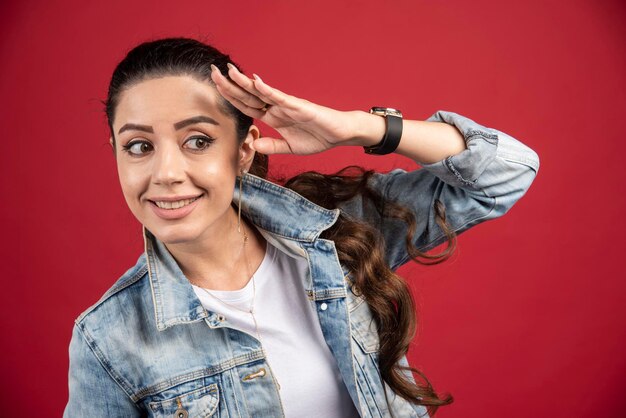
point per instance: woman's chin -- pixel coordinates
(174, 234)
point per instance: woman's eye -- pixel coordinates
(137, 148)
(200, 142)
(140, 148)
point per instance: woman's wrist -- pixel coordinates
(422, 141)
(365, 129)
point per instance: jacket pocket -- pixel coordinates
(202, 402)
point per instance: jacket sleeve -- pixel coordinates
(93, 392)
(480, 183)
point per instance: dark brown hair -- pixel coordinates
(360, 246)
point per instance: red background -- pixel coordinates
(527, 318)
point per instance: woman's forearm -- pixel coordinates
(423, 142)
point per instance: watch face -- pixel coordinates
(384, 111)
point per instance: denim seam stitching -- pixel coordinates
(156, 295)
(363, 341)
(360, 392)
(125, 284)
(106, 365)
(198, 374)
(292, 238)
(207, 389)
(327, 294)
(134, 279)
(232, 383)
(369, 386)
(229, 348)
(282, 192)
(452, 168)
(516, 158)
(334, 248)
(472, 133)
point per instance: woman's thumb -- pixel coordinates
(267, 145)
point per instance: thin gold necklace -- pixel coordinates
(261, 372)
(252, 304)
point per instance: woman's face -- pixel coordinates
(178, 157)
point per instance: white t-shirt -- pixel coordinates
(290, 334)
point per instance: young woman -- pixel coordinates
(258, 299)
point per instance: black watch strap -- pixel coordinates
(393, 133)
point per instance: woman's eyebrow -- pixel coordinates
(177, 125)
(195, 119)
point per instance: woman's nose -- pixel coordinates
(169, 166)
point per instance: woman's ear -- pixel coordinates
(246, 152)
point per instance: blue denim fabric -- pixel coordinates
(149, 348)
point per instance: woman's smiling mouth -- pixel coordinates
(174, 209)
(164, 204)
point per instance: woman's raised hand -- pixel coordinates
(305, 127)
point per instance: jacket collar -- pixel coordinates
(282, 216)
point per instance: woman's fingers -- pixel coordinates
(271, 95)
(250, 96)
(269, 145)
(248, 110)
(244, 82)
(235, 90)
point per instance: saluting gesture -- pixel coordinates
(306, 127)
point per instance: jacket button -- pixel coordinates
(180, 411)
(221, 318)
(259, 373)
(324, 306)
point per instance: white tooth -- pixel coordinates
(174, 205)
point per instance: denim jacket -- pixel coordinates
(149, 348)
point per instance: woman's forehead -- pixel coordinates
(170, 98)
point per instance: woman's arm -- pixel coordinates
(479, 183)
(421, 141)
(308, 128)
(477, 172)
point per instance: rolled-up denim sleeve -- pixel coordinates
(93, 392)
(480, 183)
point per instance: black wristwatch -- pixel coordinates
(390, 141)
